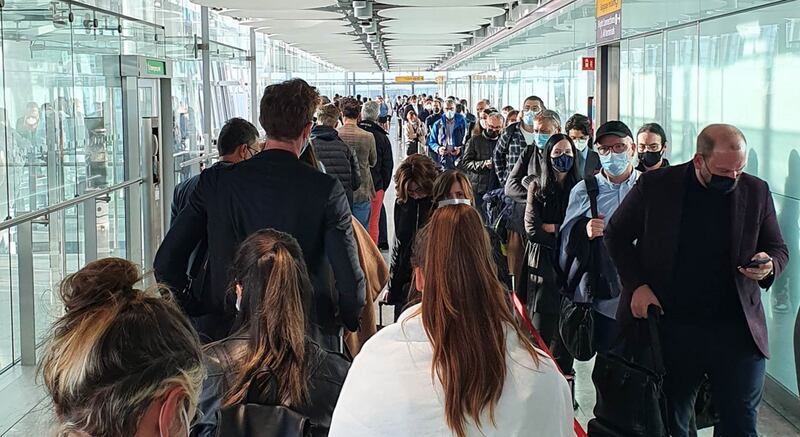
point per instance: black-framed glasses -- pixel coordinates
(616, 148)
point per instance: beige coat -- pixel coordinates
(363, 144)
(376, 273)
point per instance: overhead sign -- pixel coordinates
(405, 79)
(440, 79)
(484, 77)
(156, 67)
(608, 20)
(587, 63)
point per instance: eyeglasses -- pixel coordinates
(253, 150)
(617, 148)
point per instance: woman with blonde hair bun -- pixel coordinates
(121, 361)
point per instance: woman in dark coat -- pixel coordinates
(414, 185)
(548, 196)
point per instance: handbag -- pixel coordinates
(629, 384)
(576, 326)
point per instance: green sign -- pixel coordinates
(156, 67)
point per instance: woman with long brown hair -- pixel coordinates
(456, 364)
(413, 184)
(271, 360)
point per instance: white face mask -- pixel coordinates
(581, 144)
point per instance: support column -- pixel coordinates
(206, 72)
(27, 313)
(608, 83)
(254, 86)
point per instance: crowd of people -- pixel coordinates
(270, 271)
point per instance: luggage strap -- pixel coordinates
(526, 322)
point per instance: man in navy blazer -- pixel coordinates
(701, 240)
(274, 189)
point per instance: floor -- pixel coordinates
(24, 411)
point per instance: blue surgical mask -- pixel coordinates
(541, 140)
(615, 163)
(563, 163)
(527, 117)
(449, 114)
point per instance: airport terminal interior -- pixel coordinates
(106, 105)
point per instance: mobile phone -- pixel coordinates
(756, 262)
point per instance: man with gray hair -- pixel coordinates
(381, 172)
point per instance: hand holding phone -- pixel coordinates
(759, 267)
(756, 263)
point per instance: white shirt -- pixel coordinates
(392, 391)
(529, 138)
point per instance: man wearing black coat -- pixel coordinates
(335, 155)
(274, 190)
(686, 239)
(382, 170)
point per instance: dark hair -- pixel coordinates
(707, 141)
(276, 292)
(579, 122)
(287, 108)
(459, 108)
(351, 108)
(445, 181)
(418, 168)
(234, 133)
(508, 108)
(536, 98)
(546, 182)
(654, 128)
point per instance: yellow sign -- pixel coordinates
(403, 79)
(605, 7)
(484, 77)
(440, 79)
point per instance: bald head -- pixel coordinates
(722, 137)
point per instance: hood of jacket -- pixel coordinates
(324, 133)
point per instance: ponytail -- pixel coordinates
(271, 271)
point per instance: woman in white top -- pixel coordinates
(413, 134)
(457, 364)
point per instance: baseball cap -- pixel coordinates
(613, 127)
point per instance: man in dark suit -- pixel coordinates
(237, 141)
(684, 239)
(579, 128)
(274, 190)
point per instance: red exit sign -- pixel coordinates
(587, 63)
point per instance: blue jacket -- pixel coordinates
(436, 138)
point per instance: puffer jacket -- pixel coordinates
(326, 372)
(337, 157)
(382, 171)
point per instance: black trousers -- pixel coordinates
(547, 325)
(727, 354)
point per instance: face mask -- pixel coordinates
(491, 134)
(581, 144)
(720, 184)
(428, 107)
(449, 114)
(563, 163)
(31, 120)
(650, 159)
(527, 117)
(541, 140)
(483, 124)
(615, 163)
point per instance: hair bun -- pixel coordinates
(100, 282)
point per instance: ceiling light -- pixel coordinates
(362, 10)
(529, 2)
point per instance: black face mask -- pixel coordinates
(491, 134)
(650, 159)
(720, 184)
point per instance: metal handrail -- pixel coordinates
(199, 159)
(28, 216)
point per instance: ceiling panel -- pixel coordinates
(432, 25)
(438, 2)
(264, 4)
(283, 14)
(453, 13)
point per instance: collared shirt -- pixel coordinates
(609, 198)
(450, 127)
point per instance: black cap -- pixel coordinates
(613, 127)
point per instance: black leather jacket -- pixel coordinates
(326, 374)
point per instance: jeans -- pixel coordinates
(361, 212)
(375, 215)
(727, 354)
